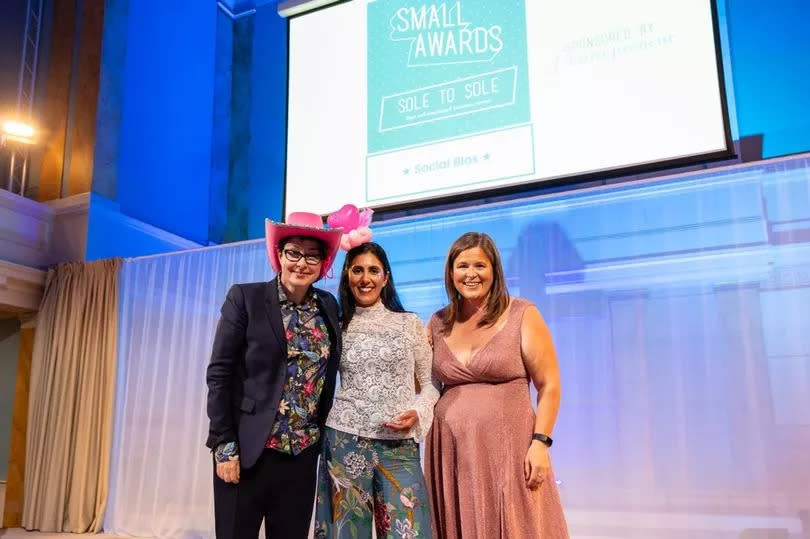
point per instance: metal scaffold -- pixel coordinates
(18, 162)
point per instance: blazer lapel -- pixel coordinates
(274, 313)
(330, 314)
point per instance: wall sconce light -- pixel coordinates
(17, 132)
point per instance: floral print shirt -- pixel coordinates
(296, 424)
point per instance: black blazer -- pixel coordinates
(248, 367)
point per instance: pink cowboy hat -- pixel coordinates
(305, 224)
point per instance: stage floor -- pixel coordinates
(19, 533)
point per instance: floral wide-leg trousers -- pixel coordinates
(362, 480)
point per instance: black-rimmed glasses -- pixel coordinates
(294, 256)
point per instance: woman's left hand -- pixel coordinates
(536, 465)
(403, 422)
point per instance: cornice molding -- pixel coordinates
(21, 287)
(70, 205)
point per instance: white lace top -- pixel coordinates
(382, 351)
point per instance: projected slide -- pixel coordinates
(400, 101)
(439, 119)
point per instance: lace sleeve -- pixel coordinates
(429, 387)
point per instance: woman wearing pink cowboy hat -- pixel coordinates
(271, 380)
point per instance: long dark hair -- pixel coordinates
(389, 296)
(498, 299)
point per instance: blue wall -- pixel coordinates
(770, 55)
(250, 107)
(153, 158)
(192, 123)
(165, 154)
(268, 121)
(154, 134)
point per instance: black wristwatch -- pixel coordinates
(546, 440)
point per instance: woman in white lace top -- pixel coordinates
(371, 457)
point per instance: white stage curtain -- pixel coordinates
(679, 310)
(161, 473)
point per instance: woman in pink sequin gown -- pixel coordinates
(487, 462)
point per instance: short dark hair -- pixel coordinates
(389, 296)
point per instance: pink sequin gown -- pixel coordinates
(482, 428)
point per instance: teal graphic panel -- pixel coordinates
(444, 70)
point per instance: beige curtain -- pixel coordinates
(71, 405)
